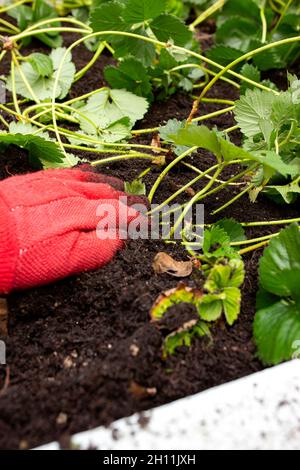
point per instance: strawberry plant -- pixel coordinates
(223, 272)
(152, 51)
(277, 320)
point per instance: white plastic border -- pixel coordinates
(261, 411)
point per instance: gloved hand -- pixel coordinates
(48, 225)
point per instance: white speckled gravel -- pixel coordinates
(261, 411)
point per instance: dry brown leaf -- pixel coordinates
(164, 263)
(3, 317)
(156, 143)
(140, 392)
(190, 191)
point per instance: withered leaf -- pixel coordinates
(180, 294)
(164, 263)
(156, 143)
(140, 392)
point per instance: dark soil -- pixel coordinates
(75, 348)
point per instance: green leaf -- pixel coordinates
(27, 128)
(287, 193)
(271, 59)
(273, 161)
(199, 136)
(136, 187)
(237, 33)
(277, 331)
(170, 129)
(43, 85)
(279, 268)
(138, 11)
(68, 70)
(167, 27)
(40, 10)
(184, 338)
(232, 304)
(223, 55)
(253, 113)
(116, 104)
(237, 275)
(40, 150)
(131, 75)
(265, 299)
(251, 72)
(101, 130)
(41, 64)
(203, 137)
(216, 242)
(223, 287)
(224, 275)
(141, 50)
(233, 229)
(175, 7)
(211, 307)
(108, 17)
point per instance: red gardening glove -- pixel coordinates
(48, 225)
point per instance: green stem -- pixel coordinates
(264, 23)
(234, 199)
(227, 183)
(218, 101)
(119, 157)
(288, 137)
(254, 240)
(2, 54)
(207, 13)
(194, 199)
(184, 188)
(14, 5)
(4, 121)
(218, 188)
(205, 70)
(192, 167)
(165, 45)
(231, 129)
(166, 171)
(84, 70)
(24, 78)
(247, 56)
(270, 222)
(274, 7)
(285, 9)
(198, 119)
(10, 26)
(253, 248)
(13, 90)
(35, 26)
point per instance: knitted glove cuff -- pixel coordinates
(8, 248)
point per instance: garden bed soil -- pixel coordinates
(82, 352)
